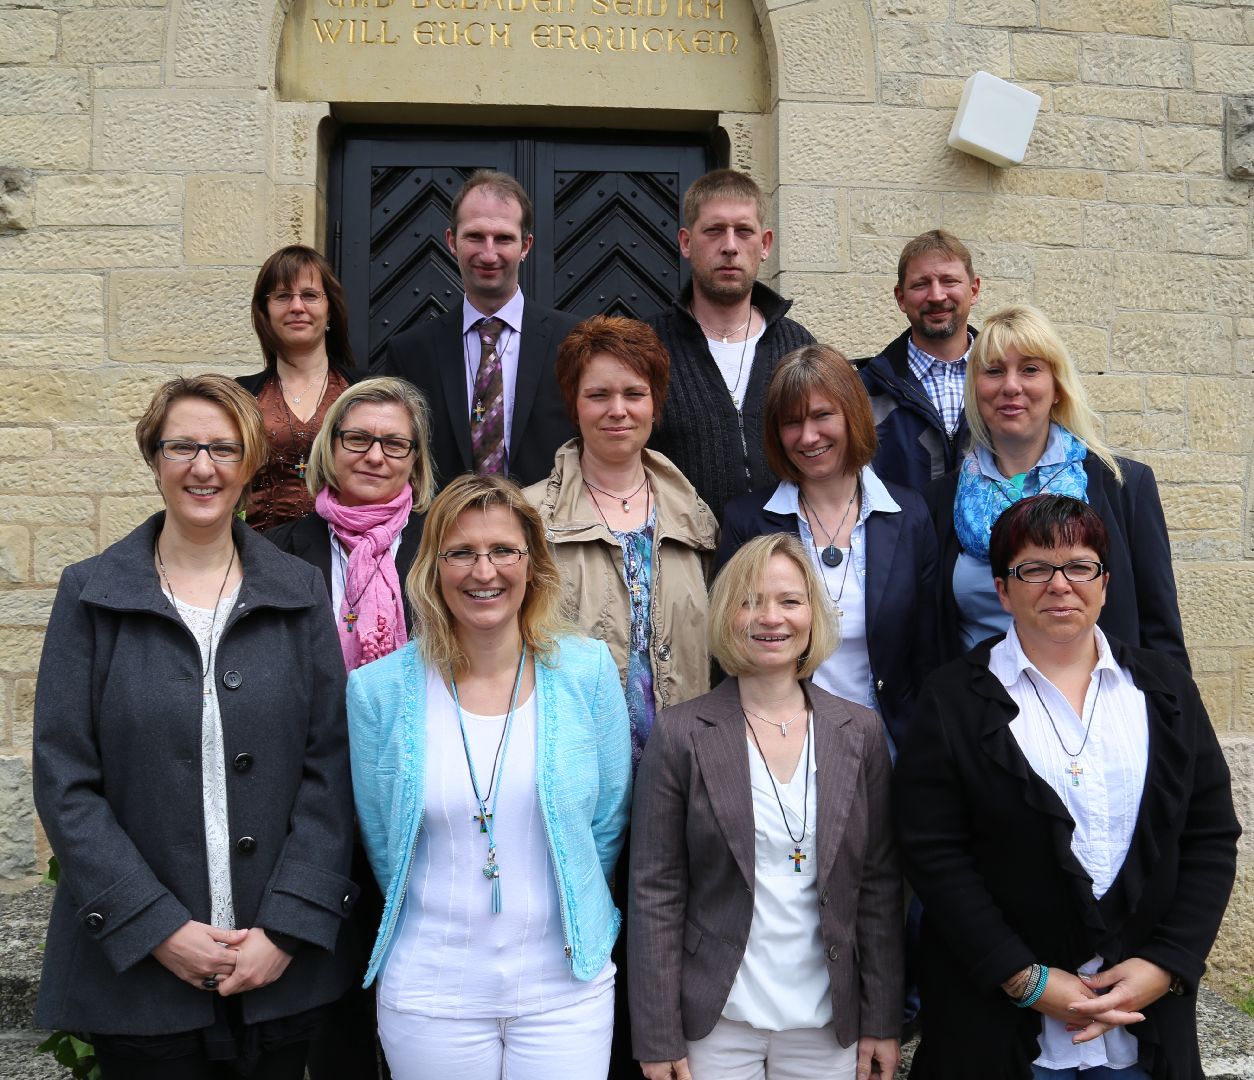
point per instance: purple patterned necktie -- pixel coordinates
(487, 417)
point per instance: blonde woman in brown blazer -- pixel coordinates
(752, 952)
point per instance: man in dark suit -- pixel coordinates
(486, 366)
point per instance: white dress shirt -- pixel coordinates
(507, 348)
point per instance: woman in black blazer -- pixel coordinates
(871, 542)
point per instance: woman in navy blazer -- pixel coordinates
(871, 542)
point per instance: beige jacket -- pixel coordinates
(591, 564)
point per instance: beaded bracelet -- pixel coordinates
(1038, 988)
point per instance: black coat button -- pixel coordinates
(242, 762)
(246, 845)
(94, 922)
(232, 680)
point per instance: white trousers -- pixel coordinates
(739, 1051)
(573, 1041)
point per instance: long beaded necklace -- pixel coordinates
(491, 869)
(1074, 770)
(204, 674)
(798, 856)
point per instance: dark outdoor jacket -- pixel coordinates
(986, 843)
(914, 447)
(117, 777)
(1141, 604)
(900, 590)
(699, 430)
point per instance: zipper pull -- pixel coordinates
(567, 950)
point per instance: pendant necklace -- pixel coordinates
(302, 463)
(621, 498)
(797, 856)
(831, 555)
(744, 348)
(1073, 770)
(491, 870)
(204, 674)
(783, 726)
(296, 397)
(349, 618)
(721, 334)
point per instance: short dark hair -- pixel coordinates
(504, 187)
(934, 240)
(635, 343)
(827, 371)
(1047, 521)
(722, 184)
(281, 271)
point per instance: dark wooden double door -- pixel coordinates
(606, 215)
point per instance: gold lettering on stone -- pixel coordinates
(352, 32)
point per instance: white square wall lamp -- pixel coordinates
(994, 119)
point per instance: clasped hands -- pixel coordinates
(226, 961)
(1091, 1005)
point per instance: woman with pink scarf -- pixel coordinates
(372, 481)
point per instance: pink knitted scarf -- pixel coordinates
(372, 614)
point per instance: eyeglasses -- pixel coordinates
(359, 442)
(498, 556)
(308, 297)
(1036, 572)
(186, 450)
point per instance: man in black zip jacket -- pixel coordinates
(915, 384)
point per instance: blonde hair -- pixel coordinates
(738, 585)
(1028, 330)
(540, 617)
(380, 391)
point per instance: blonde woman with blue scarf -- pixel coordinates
(1033, 431)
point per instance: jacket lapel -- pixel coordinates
(723, 755)
(882, 534)
(452, 362)
(838, 751)
(532, 349)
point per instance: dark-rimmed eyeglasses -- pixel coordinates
(308, 297)
(186, 450)
(1038, 572)
(498, 556)
(359, 442)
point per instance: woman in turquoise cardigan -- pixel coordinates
(491, 771)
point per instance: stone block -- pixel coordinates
(1128, 61)
(47, 141)
(17, 819)
(1239, 136)
(1215, 605)
(25, 442)
(1194, 468)
(1223, 69)
(17, 203)
(1126, 432)
(1172, 148)
(226, 52)
(1119, 104)
(1074, 286)
(1220, 25)
(1000, 261)
(898, 147)
(893, 213)
(1115, 393)
(1163, 282)
(51, 303)
(996, 12)
(1182, 344)
(110, 199)
(1165, 393)
(826, 52)
(752, 140)
(1089, 346)
(813, 229)
(90, 440)
(1231, 285)
(71, 510)
(57, 547)
(126, 76)
(1059, 183)
(112, 37)
(188, 131)
(1126, 228)
(1207, 230)
(23, 713)
(293, 216)
(295, 140)
(1219, 417)
(42, 90)
(1149, 18)
(942, 50)
(1029, 220)
(1185, 108)
(856, 314)
(1243, 713)
(1202, 506)
(26, 607)
(935, 93)
(27, 36)
(120, 514)
(927, 10)
(124, 474)
(19, 652)
(1221, 192)
(14, 553)
(1053, 57)
(39, 350)
(199, 316)
(1134, 188)
(897, 89)
(89, 248)
(225, 220)
(997, 293)
(1083, 143)
(875, 256)
(1216, 694)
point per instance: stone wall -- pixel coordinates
(147, 166)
